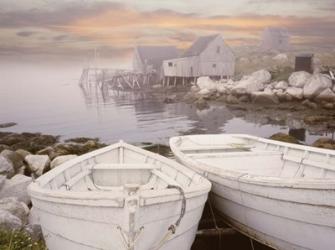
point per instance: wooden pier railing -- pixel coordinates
(121, 79)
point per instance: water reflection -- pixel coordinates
(150, 110)
(299, 133)
(155, 118)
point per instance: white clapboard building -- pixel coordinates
(275, 39)
(148, 60)
(208, 56)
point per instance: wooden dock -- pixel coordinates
(127, 79)
(116, 78)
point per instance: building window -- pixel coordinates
(214, 65)
(218, 49)
(170, 64)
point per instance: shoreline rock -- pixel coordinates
(16, 187)
(6, 167)
(15, 158)
(324, 143)
(284, 138)
(31, 142)
(37, 164)
(300, 86)
(7, 124)
(61, 159)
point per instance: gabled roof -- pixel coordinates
(199, 45)
(155, 55)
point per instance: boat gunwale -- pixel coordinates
(274, 181)
(38, 191)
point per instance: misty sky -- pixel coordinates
(74, 27)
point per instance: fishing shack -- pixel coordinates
(148, 60)
(208, 56)
(304, 62)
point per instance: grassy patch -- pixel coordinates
(19, 240)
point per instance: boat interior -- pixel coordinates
(120, 168)
(257, 156)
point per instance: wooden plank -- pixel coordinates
(220, 147)
(318, 164)
(165, 178)
(70, 183)
(107, 166)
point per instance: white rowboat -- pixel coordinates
(280, 194)
(119, 197)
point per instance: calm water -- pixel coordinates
(46, 98)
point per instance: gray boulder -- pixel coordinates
(264, 98)
(23, 153)
(222, 89)
(299, 79)
(297, 93)
(6, 167)
(205, 92)
(316, 85)
(14, 157)
(281, 85)
(50, 151)
(252, 83)
(16, 208)
(9, 221)
(16, 187)
(205, 82)
(263, 76)
(37, 163)
(282, 96)
(61, 159)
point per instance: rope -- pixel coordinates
(212, 214)
(173, 227)
(252, 244)
(214, 220)
(127, 244)
(183, 204)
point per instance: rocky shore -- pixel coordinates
(26, 156)
(314, 91)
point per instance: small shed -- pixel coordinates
(149, 59)
(275, 38)
(304, 62)
(208, 56)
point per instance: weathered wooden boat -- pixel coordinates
(119, 197)
(277, 193)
